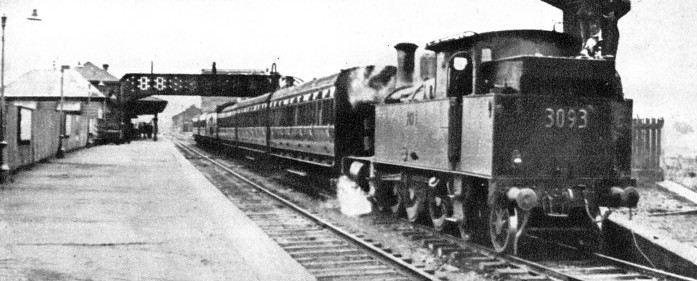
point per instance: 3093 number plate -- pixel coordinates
(567, 118)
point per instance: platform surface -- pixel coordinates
(135, 211)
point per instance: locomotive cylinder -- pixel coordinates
(405, 64)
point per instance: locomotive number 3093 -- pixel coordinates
(566, 118)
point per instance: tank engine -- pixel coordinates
(512, 134)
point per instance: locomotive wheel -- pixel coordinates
(413, 202)
(438, 210)
(464, 232)
(505, 228)
(502, 228)
(474, 214)
(459, 210)
(386, 198)
(397, 206)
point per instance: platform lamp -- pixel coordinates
(4, 168)
(61, 134)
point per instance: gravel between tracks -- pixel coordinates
(329, 207)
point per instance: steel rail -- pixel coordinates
(357, 240)
(533, 266)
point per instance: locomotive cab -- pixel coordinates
(473, 50)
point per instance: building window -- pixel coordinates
(24, 125)
(67, 125)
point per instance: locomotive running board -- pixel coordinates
(296, 172)
(391, 177)
(452, 219)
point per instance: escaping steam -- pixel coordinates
(370, 84)
(353, 201)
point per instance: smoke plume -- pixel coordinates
(353, 201)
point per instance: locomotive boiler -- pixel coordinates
(503, 133)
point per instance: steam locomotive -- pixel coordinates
(502, 133)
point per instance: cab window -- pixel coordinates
(460, 75)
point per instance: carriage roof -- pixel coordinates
(311, 86)
(247, 102)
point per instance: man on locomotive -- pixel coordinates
(598, 26)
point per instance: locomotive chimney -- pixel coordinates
(405, 63)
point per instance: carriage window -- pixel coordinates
(24, 132)
(460, 75)
(326, 112)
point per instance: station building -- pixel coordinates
(34, 119)
(183, 122)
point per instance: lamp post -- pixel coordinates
(61, 134)
(4, 168)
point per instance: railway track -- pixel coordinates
(335, 254)
(325, 250)
(570, 265)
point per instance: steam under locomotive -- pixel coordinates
(502, 133)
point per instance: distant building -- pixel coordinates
(34, 115)
(210, 104)
(109, 127)
(182, 122)
(101, 78)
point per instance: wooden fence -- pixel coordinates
(646, 149)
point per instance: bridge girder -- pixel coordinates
(135, 86)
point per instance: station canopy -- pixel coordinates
(145, 106)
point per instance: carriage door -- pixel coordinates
(459, 84)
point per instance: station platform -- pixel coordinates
(137, 211)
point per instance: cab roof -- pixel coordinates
(467, 39)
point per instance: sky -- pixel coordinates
(305, 38)
(316, 38)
